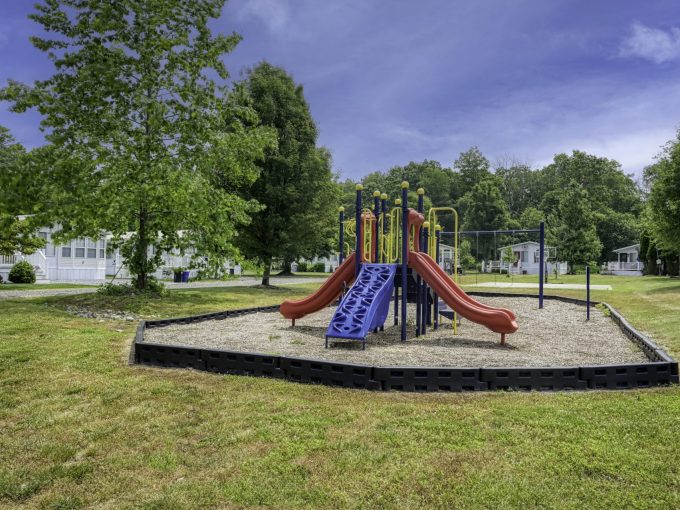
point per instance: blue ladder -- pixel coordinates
(365, 307)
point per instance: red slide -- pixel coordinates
(498, 320)
(324, 295)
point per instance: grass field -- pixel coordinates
(79, 428)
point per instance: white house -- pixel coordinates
(174, 259)
(627, 262)
(78, 260)
(525, 260)
(330, 263)
(89, 260)
(446, 256)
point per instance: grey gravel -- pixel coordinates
(557, 335)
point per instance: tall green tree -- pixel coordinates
(663, 202)
(521, 187)
(134, 116)
(613, 196)
(472, 167)
(296, 184)
(483, 208)
(16, 234)
(572, 227)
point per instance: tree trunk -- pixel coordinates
(140, 257)
(286, 268)
(267, 272)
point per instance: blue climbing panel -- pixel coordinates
(366, 305)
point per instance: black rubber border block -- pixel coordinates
(346, 375)
(644, 375)
(539, 379)
(241, 363)
(171, 356)
(429, 379)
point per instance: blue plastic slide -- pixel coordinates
(365, 307)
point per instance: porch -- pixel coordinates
(38, 260)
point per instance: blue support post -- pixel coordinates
(588, 293)
(341, 250)
(438, 235)
(359, 248)
(397, 203)
(541, 267)
(423, 300)
(404, 255)
(419, 283)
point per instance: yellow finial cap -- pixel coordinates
(397, 201)
(438, 227)
(341, 209)
(420, 191)
(376, 193)
(426, 224)
(404, 184)
(383, 196)
(359, 187)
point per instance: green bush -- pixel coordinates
(302, 267)
(155, 289)
(22, 272)
(319, 267)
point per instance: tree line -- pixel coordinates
(590, 206)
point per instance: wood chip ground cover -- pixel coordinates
(557, 335)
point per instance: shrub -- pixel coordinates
(302, 267)
(155, 289)
(319, 267)
(22, 272)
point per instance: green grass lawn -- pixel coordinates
(79, 428)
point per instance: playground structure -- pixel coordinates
(393, 256)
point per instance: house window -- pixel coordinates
(102, 249)
(66, 251)
(91, 249)
(524, 256)
(80, 248)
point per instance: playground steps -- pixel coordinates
(364, 308)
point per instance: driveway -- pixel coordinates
(246, 281)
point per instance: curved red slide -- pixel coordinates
(498, 320)
(324, 295)
(460, 292)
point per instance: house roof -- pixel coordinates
(627, 248)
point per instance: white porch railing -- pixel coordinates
(624, 266)
(38, 260)
(501, 266)
(8, 260)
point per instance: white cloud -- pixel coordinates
(653, 44)
(274, 14)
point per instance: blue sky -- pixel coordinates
(396, 81)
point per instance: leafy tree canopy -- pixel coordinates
(296, 184)
(663, 205)
(16, 234)
(134, 114)
(572, 227)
